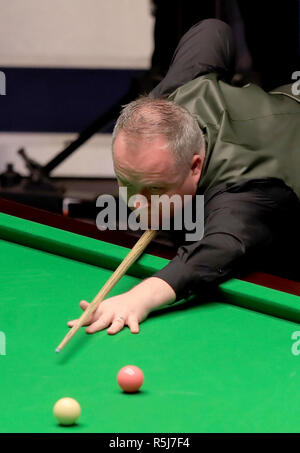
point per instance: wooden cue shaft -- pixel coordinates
(132, 256)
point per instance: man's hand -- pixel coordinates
(129, 309)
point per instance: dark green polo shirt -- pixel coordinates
(250, 134)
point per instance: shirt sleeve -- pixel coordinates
(242, 224)
(206, 47)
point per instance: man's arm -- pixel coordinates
(245, 223)
(207, 47)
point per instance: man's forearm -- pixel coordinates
(153, 293)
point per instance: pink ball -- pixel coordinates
(130, 378)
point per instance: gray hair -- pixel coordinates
(147, 117)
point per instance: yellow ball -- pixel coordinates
(66, 411)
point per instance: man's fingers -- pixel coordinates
(94, 316)
(73, 322)
(133, 324)
(83, 305)
(117, 325)
(100, 324)
(100, 320)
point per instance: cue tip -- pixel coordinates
(57, 350)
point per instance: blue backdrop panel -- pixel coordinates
(59, 100)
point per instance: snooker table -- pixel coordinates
(218, 365)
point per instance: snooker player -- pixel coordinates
(240, 147)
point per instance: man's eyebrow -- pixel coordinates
(153, 184)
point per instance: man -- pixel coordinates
(239, 147)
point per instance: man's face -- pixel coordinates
(149, 168)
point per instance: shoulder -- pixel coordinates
(198, 85)
(291, 90)
(202, 97)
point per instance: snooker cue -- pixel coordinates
(132, 256)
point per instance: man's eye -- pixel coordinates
(156, 189)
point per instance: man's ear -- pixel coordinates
(196, 166)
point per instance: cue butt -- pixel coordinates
(132, 256)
